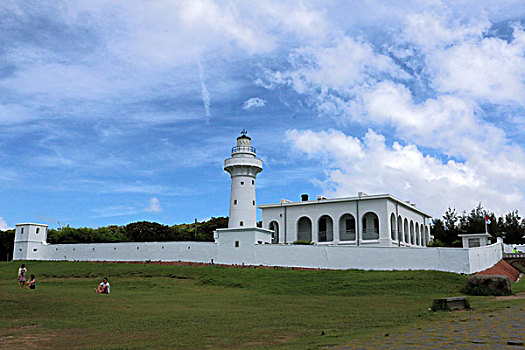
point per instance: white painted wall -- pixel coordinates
(251, 246)
(481, 258)
(126, 251)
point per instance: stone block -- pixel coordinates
(488, 285)
(450, 304)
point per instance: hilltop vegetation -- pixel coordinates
(509, 226)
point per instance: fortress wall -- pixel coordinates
(126, 251)
(482, 258)
(458, 260)
(365, 258)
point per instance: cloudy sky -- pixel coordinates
(118, 111)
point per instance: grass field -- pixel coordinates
(199, 307)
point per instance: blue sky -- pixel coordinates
(118, 111)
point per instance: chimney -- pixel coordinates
(304, 197)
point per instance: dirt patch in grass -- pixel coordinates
(25, 338)
(502, 268)
(512, 297)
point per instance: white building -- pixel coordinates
(378, 220)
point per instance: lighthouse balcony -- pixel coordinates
(242, 162)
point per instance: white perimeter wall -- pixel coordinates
(458, 260)
(126, 251)
(480, 257)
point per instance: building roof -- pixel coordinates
(31, 223)
(321, 200)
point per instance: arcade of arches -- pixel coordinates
(402, 230)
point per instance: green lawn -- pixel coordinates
(196, 307)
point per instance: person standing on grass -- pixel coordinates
(103, 287)
(31, 284)
(22, 272)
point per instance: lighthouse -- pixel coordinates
(243, 166)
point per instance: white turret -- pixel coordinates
(29, 238)
(243, 167)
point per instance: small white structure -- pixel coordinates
(29, 238)
(378, 220)
(243, 167)
(473, 240)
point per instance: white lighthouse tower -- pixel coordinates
(243, 166)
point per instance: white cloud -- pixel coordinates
(462, 61)
(339, 67)
(253, 103)
(3, 224)
(154, 206)
(115, 210)
(370, 165)
(205, 94)
(439, 29)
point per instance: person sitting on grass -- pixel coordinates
(103, 287)
(31, 284)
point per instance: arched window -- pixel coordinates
(407, 233)
(325, 230)
(393, 225)
(412, 240)
(274, 226)
(422, 232)
(347, 228)
(418, 237)
(370, 226)
(400, 228)
(304, 229)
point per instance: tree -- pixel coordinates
(514, 228)
(7, 242)
(145, 231)
(446, 231)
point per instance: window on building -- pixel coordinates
(253, 182)
(241, 223)
(242, 182)
(235, 201)
(236, 244)
(253, 202)
(22, 230)
(34, 249)
(37, 230)
(473, 242)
